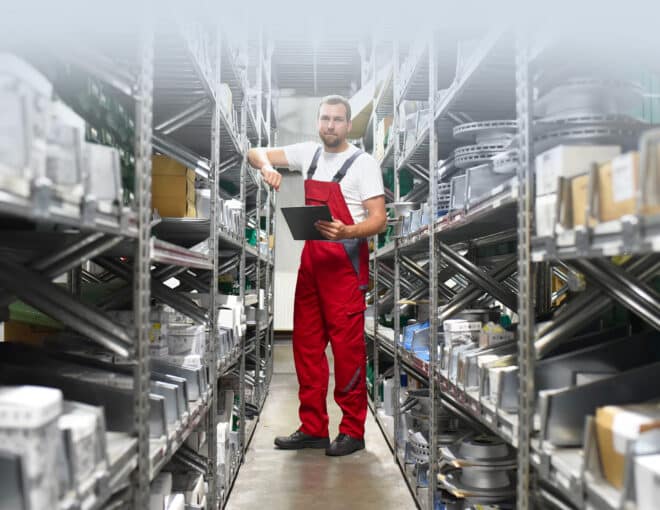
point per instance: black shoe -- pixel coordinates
(344, 445)
(299, 440)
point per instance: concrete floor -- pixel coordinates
(292, 480)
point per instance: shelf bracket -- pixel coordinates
(479, 277)
(159, 291)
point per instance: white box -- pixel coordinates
(186, 339)
(175, 502)
(545, 215)
(103, 179)
(64, 152)
(25, 105)
(84, 426)
(647, 481)
(569, 161)
(191, 485)
(203, 203)
(388, 396)
(28, 427)
(161, 488)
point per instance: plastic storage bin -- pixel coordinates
(28, 428)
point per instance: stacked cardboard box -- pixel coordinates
(172, 188)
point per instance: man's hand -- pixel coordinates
(333, 230)
(271, 176)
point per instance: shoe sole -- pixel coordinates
(342, 454)
(315, 444)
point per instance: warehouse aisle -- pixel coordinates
(291, 480)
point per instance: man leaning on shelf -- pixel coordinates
(333, 275)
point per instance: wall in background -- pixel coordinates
(296, 123)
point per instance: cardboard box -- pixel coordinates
(618, 184)
(172, 188)
(545, 214)
(581, 213)
(569, 161)
(651, 184)
(617, 187)
(616, 426)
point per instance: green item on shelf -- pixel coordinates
(370, 379)
(405, 180)
(21, 312)
(505, 321)
(251, 235)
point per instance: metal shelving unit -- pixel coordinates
(496, 81)
(173, 94)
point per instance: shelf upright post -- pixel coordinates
(397, 273)
(526, 351)
(257, 339)
(142, 258)
(374, 113)
(211, 343)
(244, 145)
(433, 280)
(269, 96)
(376, 343)
(268, 352)
(270, 197)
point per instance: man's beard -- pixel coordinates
(331, 140)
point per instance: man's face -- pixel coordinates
(333, 124)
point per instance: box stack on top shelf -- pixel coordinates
(463, 379)
(124, 198)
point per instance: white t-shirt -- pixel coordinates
(363, 180)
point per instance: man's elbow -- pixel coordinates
(252, 156)
(382, 226)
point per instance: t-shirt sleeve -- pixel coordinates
(372, 184)
(299, 154)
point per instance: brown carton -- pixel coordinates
(616, 426)
(172, 188)
(618, 184)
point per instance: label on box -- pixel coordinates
(623, 179)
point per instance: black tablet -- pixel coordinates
(301, 221)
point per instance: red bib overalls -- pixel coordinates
(329, 306)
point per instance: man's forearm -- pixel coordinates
(367, 228)
(258, 158)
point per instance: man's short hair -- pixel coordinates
(336, 99)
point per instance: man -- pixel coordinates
(333, 276)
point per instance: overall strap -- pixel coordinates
(347, 164)
(312, 166)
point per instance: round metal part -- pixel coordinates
(403, 208)
(605, 135)
(505, 162)
(584, 97)
(486, 130)
(473, 155)
(452, 481)
(483, 478)
(483, 451)
(550, 124)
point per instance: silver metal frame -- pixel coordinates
(526, 351)
(142, 261)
